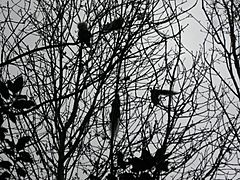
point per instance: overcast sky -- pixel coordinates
(192, 36)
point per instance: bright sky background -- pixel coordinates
(192, 36)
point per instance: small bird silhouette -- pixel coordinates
(155, 93)
(84, 35)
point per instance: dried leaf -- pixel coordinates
(25, 157)
(137, 164)
(4, 90)
(12, 117)
(5, 165)
(21, 172)
(1, 119)
(120, 162)
(127, 176)
(115, 116)
(9, 85)
(22, 142)
(8, 151)
(84, 35)
(114, 25)
(145, 176)
(148, 159)
(5, 175)
(155, 93)
(154, 97)
(92, 177)
(17, 85)
(2, 133)
(10, 143)
(20, 96)
(1, 102)
(22, 104)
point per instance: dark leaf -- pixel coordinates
(92, 177)
(22, 142)
(161, 154)
(12, 117)
(145, 176)
(167, 92)
(1, 102)
(140, 16)
(29, 104)
(22, 104)
(25, 157)
(10, 85)
(8, 151)
(18, 104)
(17, 85)
(111, 177)
(5, 175)
(115, 115)
(4, 90)
(127, 176)
(22, 97)
(3, 129)
(38, 152)
(120, 162)
(114, 25)
(147, 158)
(84, 35)
(137, 164)
(154, 97)
(21, 172)
(155, 93)
(2, 136)
(162, 166)
(160, 159)
(10, 143)
(2, 133)
(5, 165)
(126, 78)
(1, 119)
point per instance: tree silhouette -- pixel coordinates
(70, 69)
(220, 54)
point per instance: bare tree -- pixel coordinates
(105, 92)
(221, 56)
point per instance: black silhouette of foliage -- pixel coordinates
(3, 130)
(84, 35)
(5, 165)
(115, 116)
(77, 59)
(21, 172)
(12, 117)
(10, 143)
(25, 157)
(23, 104)
(145, 176)
(4, 90)
(8, 151)
(127, 176)
(5, 175)
(16, 86)
(92, 177)
(155, 93)
(21, 144)
(147, 159)
(116, 24)
(120, 160)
